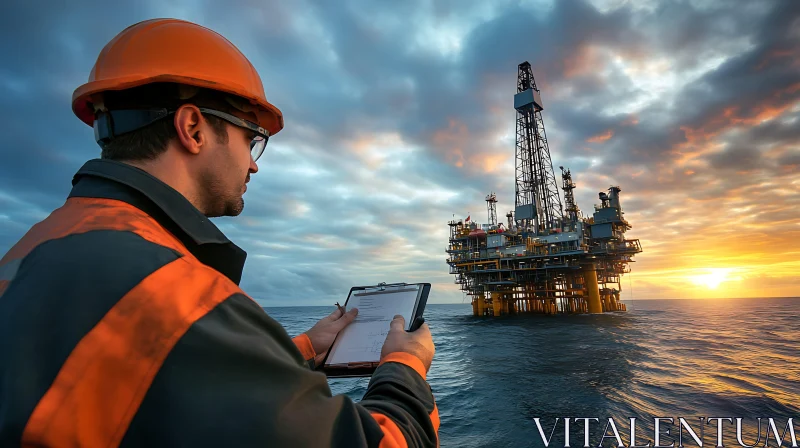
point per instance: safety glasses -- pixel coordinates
(111, 124)
(259, 142)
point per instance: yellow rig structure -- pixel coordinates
(549, 258)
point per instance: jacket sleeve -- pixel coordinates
(236, 378)
(303, 344)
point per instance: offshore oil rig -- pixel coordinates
(549, 258)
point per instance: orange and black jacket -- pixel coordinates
(122, 324)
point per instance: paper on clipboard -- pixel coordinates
(362, 340)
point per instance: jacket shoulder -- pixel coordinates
(83, 215)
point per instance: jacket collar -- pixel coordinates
(101, 178)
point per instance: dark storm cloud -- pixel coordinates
(686, 37)
(737, 159)
(399, 115)
(737, 90)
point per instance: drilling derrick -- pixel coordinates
(537, 202)
(550, 259)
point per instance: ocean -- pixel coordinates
(663, 358)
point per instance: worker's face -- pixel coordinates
(225, 178)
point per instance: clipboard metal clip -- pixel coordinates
(383, 285)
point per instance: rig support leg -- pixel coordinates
(590, 280)
(496, 303)
(475, 305)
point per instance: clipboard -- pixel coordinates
(371, 322)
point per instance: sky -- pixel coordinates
(399, 116)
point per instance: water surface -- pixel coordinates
(663, 358)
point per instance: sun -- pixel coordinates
(714, 277)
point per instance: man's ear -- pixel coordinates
(191, 134)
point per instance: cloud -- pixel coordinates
(601, 137)
(399, 116)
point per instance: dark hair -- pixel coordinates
(149, 142)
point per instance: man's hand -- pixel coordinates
(324, 332)
(418, 342)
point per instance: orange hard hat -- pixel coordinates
(176, 51)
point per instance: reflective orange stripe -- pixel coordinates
(303, 343)
(80, 215)
(101, 385)
(406, 359)
(392, 437)
(435, 418)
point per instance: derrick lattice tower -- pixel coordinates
(537, 202)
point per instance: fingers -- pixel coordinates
(398, 323)
(347, 318)
(335, 315)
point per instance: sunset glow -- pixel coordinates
(713, 278)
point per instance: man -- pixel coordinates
(120, 314)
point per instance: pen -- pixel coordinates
(341, 308)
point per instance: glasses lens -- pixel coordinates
(257, 146)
